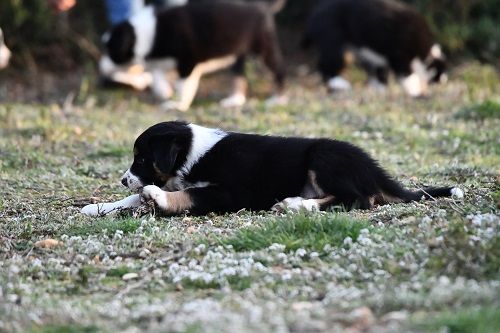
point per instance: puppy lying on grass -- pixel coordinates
(188, 168)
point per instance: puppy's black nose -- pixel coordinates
(124, 182)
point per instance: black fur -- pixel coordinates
(390, 28)
(255, 172)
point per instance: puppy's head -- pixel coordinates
(121, 42)
(158, 153)
(436, 65)
(4, 52)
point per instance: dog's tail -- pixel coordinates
(393, 191)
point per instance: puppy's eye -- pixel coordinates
(141, 160)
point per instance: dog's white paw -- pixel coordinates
(233, 101)
(153, 192)
(101, 209)
(338, 83)
(91, 210)
(457, 193)
(173, 106)
(296, 204)
(276, 100)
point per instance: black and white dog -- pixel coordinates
(384, 34)
(4, 52)
(196, 39)
(188, 168)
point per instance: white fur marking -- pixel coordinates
(372, 57)
(235, 100)
(297, 203)
(157, 194)
(415, 84)
(144, 24)
(457, 193)
(186, 87)
(112, 207)
(4, 55)
(133, 182)
(203, 140)
(436, 51)
(161, 87)
(339, 83)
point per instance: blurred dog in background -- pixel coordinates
(4, 52)
(384, 35)
(195, 39)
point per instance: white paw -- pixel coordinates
(276, 100)
(338, 83)
(296, 204)
(153, 192)
(91, 210)
(101, 209)
(232, 101)
(457, 193)
(161, 88)
(173, 106)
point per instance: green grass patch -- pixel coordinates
(296, 231)
(118, 272)
(64, 329)
(475, 320)
(111, 151)
(489, 109)
(110, 225)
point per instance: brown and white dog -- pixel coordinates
(195, 39)
(5, 53)
(189, 168)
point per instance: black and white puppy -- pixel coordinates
(188, 168)
(196, 39)
(4, 52)
(384, 34)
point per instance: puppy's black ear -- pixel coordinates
(165, 157)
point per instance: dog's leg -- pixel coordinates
(332, 62)
(102, 209)
(298, 203)
(240, 85)
(161, 87)
(273, 59)
(186, 90)
(198, 200)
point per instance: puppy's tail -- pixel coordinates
(392, 191)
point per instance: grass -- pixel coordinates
(473, 320)
(297, 231)
(250, 271)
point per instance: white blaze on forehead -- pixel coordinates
(436, 52)
(203, 140)
(144, 24)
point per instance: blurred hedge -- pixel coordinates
(40, 37)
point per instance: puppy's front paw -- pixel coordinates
(91, 210)
(153, 192)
